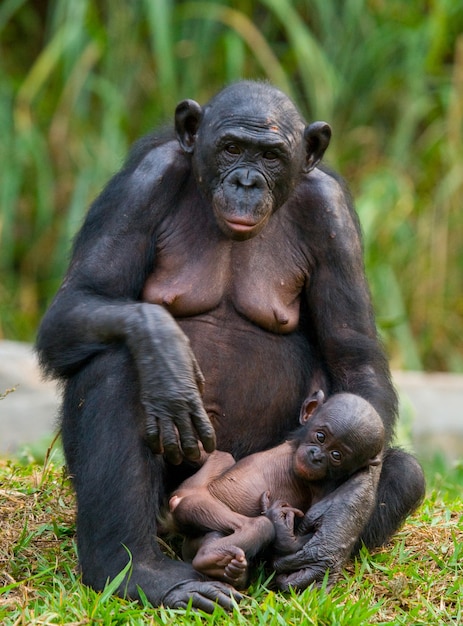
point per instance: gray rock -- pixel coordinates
(28, 413)
(436, 403)
(431, 406)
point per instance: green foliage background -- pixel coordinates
(81, 79)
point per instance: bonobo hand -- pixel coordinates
(204, 595)
(171, 382)
(323, 551)
(336, 523)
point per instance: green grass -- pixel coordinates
(79, 81)
(417, 579)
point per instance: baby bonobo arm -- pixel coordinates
(193, 506)
(215, 464)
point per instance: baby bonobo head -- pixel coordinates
(337, 437)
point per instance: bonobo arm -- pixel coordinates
(339, 304)
(98, 305)
(340, 318)
(332, 526)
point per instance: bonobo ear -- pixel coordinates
(317, 137)
(188, 114)
(310, 404)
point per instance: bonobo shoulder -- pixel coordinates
(158, 139)
(324, 202)
(134, 201)
(155, 159)
(327, 189)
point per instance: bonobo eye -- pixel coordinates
(336, 456)
(321, 437)
(269, 155)
(232, 148)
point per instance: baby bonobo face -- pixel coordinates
(322, 451)
(338, 438)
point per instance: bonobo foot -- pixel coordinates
(173, 584)
(205, 595)
(222, 562)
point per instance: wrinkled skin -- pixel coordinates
(219, 508)
(221, 248)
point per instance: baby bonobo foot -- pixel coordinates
(282, 515)
(227, 563)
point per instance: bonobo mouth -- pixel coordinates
(242, 228)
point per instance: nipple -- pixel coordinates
(168, 300)
(280, 318)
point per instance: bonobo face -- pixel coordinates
(338, 438)
(249, 148)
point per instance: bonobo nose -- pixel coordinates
(315, 455)
(246, 177)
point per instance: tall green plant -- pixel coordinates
(80, 80)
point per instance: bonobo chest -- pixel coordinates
(198, 270)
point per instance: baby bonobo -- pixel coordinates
(230, 511)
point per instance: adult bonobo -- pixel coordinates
(219, 249)
(219, 507)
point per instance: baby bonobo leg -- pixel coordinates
(225, 557)
(229, 537)
(222, 562)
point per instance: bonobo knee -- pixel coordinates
(401, 490)
(402, 472)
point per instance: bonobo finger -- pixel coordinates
(199, 376)
(297, 560)
(187, 435)
(171, 443)
(152, 435)
(291, 510)
(301, 579)
(203, 426)
(315, 516)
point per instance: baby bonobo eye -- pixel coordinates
(336, 456)
(320, 437)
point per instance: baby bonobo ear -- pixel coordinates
(310, 405)
(376, 460)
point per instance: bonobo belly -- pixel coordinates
(255, 379)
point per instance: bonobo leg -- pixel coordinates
(401, 489)
(119, 485)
